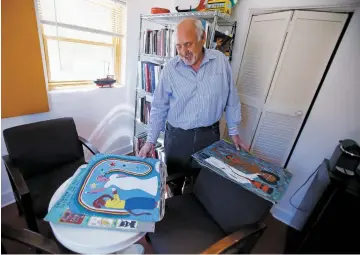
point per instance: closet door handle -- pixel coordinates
(298, 113)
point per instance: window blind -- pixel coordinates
(82, 39)
(103, 17)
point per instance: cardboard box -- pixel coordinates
(223, 6)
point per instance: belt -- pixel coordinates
(172, 128)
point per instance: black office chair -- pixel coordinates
(30, 239)
(218, 216)
(42, 156)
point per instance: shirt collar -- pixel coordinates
(208, 55)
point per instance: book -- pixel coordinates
(144, 109)
(149, 75)
(263, 178)
(124, 193)
(159, 42)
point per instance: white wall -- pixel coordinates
(335, 114)
(103, 116)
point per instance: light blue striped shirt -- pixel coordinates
(189, 99)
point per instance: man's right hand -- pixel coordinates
(147, 151)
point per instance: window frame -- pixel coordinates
(116, 44)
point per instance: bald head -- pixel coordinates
(191, 25)
(190, 38)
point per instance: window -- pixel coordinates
(82, 39)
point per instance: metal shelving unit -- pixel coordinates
(169, 20)
(173, 18)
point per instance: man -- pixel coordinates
(194, 90)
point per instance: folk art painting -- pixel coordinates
(263, 178)
(115, 192)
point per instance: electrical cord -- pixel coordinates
(298, 208)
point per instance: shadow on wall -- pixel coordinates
(114, 132)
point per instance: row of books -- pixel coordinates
(145, 108)
(149, 74)
(162, 42)
(140, 139)
(159, 42)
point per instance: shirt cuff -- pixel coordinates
(233, 130)
(152, 138)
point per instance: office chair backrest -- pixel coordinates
(37, 147)
(230, 205)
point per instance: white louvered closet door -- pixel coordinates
(308, 47)
(263, 46)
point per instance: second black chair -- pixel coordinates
(218, 216)
(41, 157)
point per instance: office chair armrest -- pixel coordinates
(231, 240)
(16, 177)
(88, 145)
(30, 238)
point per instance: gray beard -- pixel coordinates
(189, 62)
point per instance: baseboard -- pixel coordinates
(7, 198)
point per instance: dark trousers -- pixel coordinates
(180, 144)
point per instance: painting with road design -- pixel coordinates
(114, 192)
(254, 174)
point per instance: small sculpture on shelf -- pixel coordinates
(201, 7)
(159, 10)
(108, 81)
(223, 6)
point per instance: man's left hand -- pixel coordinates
(239, 143)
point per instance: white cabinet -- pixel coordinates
(263, 47)
(285, 57)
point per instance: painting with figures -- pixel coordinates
(261, 177)
(115, 192)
